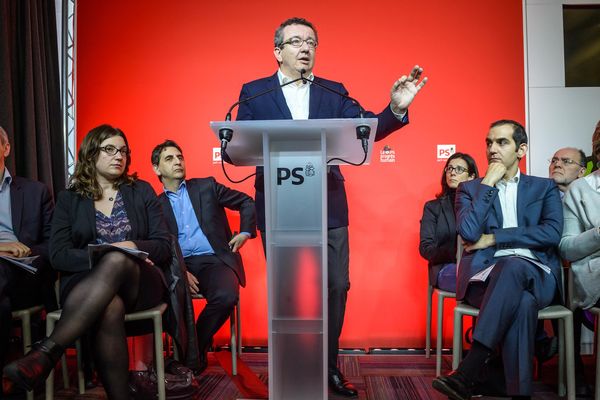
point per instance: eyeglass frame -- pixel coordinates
(302, 41)
(565, 161)
(450, 168)
(125, 152)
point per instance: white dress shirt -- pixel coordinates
(297, 95)
(507, 194)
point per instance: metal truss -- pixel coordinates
(68, 94)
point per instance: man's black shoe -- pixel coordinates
(341, 385)
(454, 385)
(546, 348)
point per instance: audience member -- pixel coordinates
(511, 224)
(566, 165)
(25, 212)
(195, 213)
(438, 224)
(104, 204)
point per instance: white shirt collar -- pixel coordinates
(284, 78)
(514, 179)
(7, 179)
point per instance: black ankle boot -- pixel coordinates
(30, 371)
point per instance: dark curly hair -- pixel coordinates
(84, 180)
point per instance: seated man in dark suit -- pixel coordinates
(195, 213)
(511, 224)
(25, 212)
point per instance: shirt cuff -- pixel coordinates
(401, 116)
(246, 233)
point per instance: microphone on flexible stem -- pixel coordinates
(226, 134)
(363, 131)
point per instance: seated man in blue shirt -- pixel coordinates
(25, 212)
(195, 212)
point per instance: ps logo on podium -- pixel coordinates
(295, 174)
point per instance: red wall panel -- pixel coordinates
(162, 70)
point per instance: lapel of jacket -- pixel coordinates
(316, 94)
(448, 211)
(498, 211)
(16, 205)
(278, 97)
(168, 213)
(89, 211)
(130, 206)
(194, 193)
(522, 191)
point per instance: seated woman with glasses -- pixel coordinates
(438, 224)
(103, 205)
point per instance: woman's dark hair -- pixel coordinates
(84, 180)
(471, 170)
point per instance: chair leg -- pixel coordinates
(570, 356)
(561, 357)
(26, 329)
(238, 319)
(457, 339)
(440, 334)
(597, 389)
(233, 341)
(159, 357)
(428, 323)
(80, 374)
(65, 371)
(50, 380)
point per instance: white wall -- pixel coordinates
(556, 116)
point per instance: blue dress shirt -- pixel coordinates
(192, 240)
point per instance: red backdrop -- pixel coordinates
(160, 70)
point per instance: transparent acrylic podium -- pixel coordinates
(294, 154)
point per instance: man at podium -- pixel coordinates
(296, 42)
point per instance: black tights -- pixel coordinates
(100, 301)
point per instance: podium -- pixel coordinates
(294, 154)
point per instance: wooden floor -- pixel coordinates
(377, 377)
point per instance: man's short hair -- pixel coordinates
(155, 157)
(519, 135)
(3, 136)
(292, 21)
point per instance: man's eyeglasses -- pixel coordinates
(564, 161)
(458, 169)
(112, 150)
(297, 42)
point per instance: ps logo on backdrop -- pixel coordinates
(444, 151)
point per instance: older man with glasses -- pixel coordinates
(295, 46)
(566, 165)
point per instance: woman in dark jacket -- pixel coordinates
(103, 205)
(438, 225)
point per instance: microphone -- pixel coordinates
(362, 131)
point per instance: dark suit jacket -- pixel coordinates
(540, 219)
(323, 104)
(209, 199)
(74, 227)
(31, 207)
(438, 235)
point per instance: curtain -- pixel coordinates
(30, 108)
